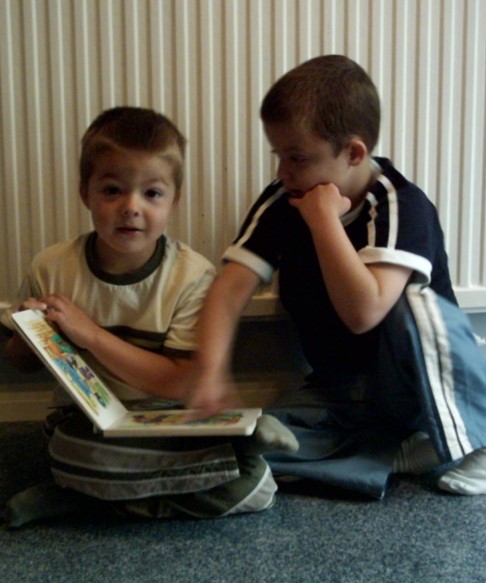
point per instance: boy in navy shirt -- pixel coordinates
(356, 245)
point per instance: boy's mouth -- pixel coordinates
(128, 229)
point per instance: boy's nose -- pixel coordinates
(282, 172)
(130, 205)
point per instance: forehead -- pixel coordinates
(124, 162)
(293, 137)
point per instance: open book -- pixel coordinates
(103, 407)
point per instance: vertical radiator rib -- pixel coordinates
(207, 64)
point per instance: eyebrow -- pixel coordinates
(291, 150)
(111, 176)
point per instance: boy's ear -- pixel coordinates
(84, 196)
(357, 151)
(177, 198)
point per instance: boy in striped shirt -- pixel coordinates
(128, 296)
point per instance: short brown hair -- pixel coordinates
(331, 95)
(134, 128)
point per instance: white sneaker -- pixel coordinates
(469, 478)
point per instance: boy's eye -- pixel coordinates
(111, 190)
(154, 193)
(293, 158)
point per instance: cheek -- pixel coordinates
(160, 218)
(100, 216)
(311, 177)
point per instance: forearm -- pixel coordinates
(216, 332)
(226, 300)
(218, 322)
(361, 295)
(151, 373)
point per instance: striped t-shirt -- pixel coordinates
(155, 308)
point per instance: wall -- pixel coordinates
(207, 64)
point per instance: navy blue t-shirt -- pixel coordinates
(395, 224)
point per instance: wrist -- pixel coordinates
(96, 339)
(325, 224)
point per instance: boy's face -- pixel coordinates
(131, 195)
(306, 160)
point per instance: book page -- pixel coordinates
(69, 368)
(173, 423)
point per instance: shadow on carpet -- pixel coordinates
(416, 534)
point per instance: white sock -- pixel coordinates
(469, 478)
(417, 456)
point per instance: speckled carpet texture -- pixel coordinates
(415, 534)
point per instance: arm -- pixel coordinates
(362, 295)
(149, 372)
(224, 304)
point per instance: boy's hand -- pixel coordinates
(32, 304)
(322, 200)
(73, 321)
(211, 395)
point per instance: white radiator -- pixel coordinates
(207, 64)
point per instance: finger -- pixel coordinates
(213, 408)
(294, 200)
(32, 304)
(347, 203)
(204, 412)
(53, 301)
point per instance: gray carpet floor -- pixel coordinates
(416, 534)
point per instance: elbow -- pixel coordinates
(361, 322)
(358, 328)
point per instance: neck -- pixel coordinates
(366, 177)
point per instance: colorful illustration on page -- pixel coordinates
(220, 420)
(72, 368)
